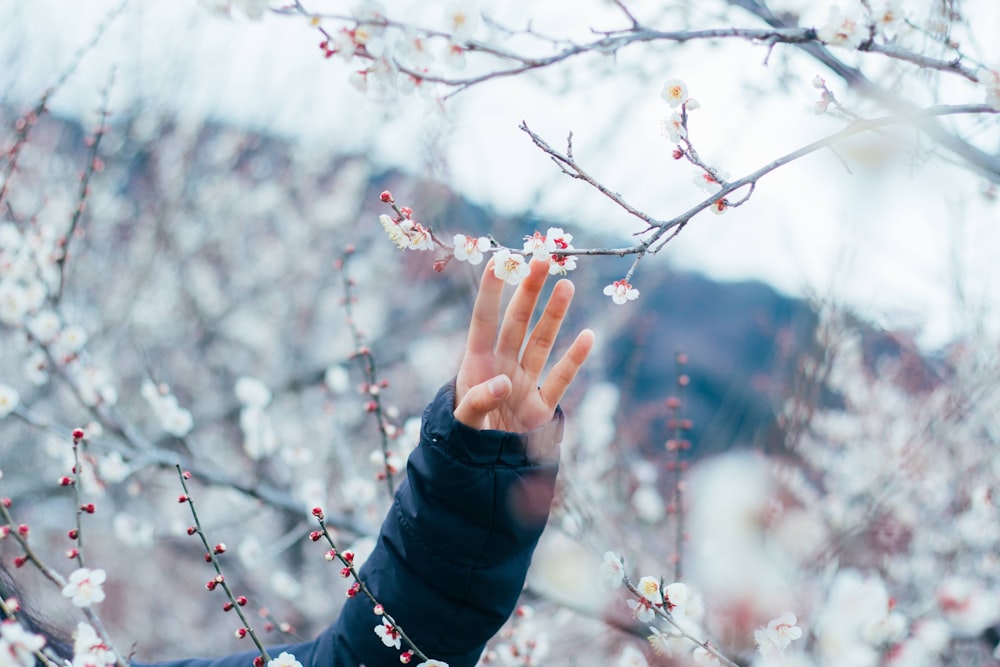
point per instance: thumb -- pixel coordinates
(482, 399)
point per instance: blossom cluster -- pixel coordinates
(174, 419)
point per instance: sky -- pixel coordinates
(910, 248)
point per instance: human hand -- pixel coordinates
(497, 385)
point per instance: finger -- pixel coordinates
(539, 346)
(485, 314)
(517, 317)
(481, 399)
(565, 370)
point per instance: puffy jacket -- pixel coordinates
(453, 552)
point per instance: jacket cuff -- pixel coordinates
(489, 446)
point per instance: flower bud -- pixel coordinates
(317, 512)
(72, 553)
(88, 508)
(241, 600)
(220, 548)
(228, 606)
(78, 434)
(241, 633)
(65, 481)
(315, 535)
(386, 196)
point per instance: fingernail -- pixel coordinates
(498, 385)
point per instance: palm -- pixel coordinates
(491, 352)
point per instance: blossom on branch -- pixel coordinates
(470, 249)
(285, 659)
(9, 400)
(17, 645)
(673, 127)
(674, 92)
(842, 29)
(84, 587)
(89, 650)
(463, 20)
(621, 291)
(779, 633)
(388, 633)
(510, 267)
(612, 569)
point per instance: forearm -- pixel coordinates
(454, 550)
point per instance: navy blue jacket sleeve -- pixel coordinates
(454, 550)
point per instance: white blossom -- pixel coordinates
(284, 659)
(612, 569)
(388, 633)
(510, 267)
(674, 92)
(9, 400)
(17, 645)
(621, 291)
(779, 633)
(631, 657)
(252, 392)
(84, 587)
(470, 248)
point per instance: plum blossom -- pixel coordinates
(463, 20)
(510, 267)
(252, 392)
(842, 29)
(649, 588)
(673, 127)
(665, 644)
(779, 633)
(643, 610)
(454, 56)
(707, 182)
(632, 657)
(9, 400)
(407, 233)
(612, 569)
(174, 419)
(284, 659)
(538, 245)
(89, 650)
(889, 17)
(676, 597)
(17, 645)
(84, 587)
(416, 52)
(470, 249)
(621, 291)
(557, 239)
(388, 633)
(433, 663)
(44, 326)
(674, 92)
(704, 658)
(337, 379)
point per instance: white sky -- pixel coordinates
(891, 242)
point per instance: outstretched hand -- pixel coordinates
(498, 383)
